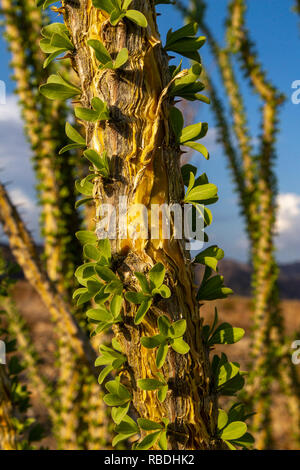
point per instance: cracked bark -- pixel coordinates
(145, 165)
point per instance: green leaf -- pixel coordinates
(210, 257)
(104, 373)
(85, 297)
(51, 57)
(149, 384)
(177, 121)
(69, 147)
(148, 441)
(148, 425)
(163, 442)
(58, 88)
(121, 59)
(199, 148)
(232, 386)
(234, 430)
(105, 273)
(152, 342)
(161, 355)
(100, 111)
(186, 31)
(163, 291)
(135, 297)
(98, 161)
(142, 310)
(74, 135)
(178, 329)
(180, 346)
(116, 305)
(164, 325)
(126, 4)
(137, 17)
(245, 441)
(118, 414)
(54, 28)
(227, 335)
(94, 286)
(116, 16)
(78, 292)
(102, 54)
(222, 419)
(192, 132)
(202, 193)
(86, 236)
(127, 426)
(186, 170)
(114, 287)
(62, 41)
(226, 372)
(105, 5)
(162, 393)
(91, 252)
(99, 314)
(143, 282)
(84, 187)
(157, 275)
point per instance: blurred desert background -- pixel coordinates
(235, 310)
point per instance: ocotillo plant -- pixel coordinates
(45, 125)
(17, 431)
(255, 182)
(67, 327)
(144, 288)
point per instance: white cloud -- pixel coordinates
(288, 226)
(10, 112)
(288, 212)
(15, 162)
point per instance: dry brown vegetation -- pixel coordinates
(236, 311)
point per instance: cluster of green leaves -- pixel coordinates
(232, 428)
(99, 283)
(56, 41)
(170, 335)
(189, 135)
(111, 358)
(118, 9)
(157, 434)
(59, 88)
(104, 57)
(100, 111)
(187, 86)
(193, 183)
(100, 168)
(184, 42)
(150, 289)
(227, 375)
(77, 139)
(212, 286)
(221, 334)
(159, 384)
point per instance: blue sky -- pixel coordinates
(277, 34)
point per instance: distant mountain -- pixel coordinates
(237, 276)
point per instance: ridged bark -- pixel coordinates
(145, 169)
